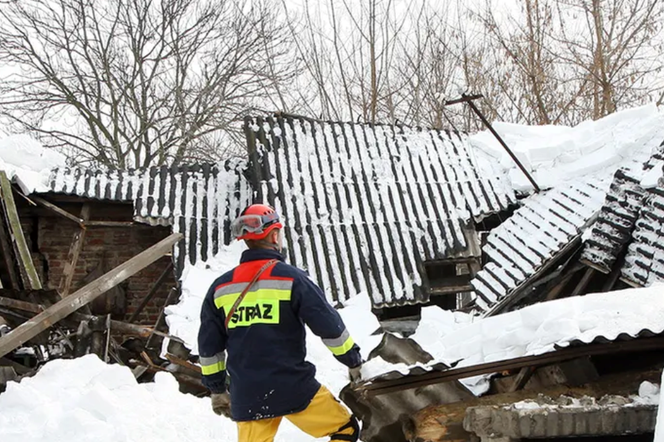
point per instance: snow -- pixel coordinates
(27, 162)
(555, 154)
(534, 330)
(85, 399)
(651, 177)
(648, 394)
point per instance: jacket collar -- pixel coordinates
(260, 254)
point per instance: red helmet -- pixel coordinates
(256, 222)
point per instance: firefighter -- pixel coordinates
(252, 331)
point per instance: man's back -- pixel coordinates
(265, 339)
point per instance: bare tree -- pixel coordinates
(129, 83)
(618, 49)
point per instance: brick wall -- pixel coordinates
(108, 247)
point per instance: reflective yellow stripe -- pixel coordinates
(253, 297)
(343, 348)
(213, 368)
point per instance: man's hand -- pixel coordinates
(355, 374)
(221, 404)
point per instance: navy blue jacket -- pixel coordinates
(265, 340)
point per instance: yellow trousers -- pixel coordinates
(324, 416)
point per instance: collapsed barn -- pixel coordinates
(409, 216)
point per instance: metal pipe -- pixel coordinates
(469, 99)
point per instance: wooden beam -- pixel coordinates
(85, 295)
(20, 305)
(20, 368)
(42, 202)
(583, 283)
(110, 223)
(74, 253)
(7, 254)
(31, 278)
(152, 292)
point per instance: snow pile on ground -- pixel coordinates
(541, 328)
(555, 154)
(27, 162)
(87, 400)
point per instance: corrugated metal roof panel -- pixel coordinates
(613, 228)
(644, 263)
(114, 185)
(533, 235)
(366, 205)
(199, 201)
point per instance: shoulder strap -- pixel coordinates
(239, 299)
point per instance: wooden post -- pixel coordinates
(74, 253)
(522, 379)
(161, 316)
(585, 279)
(28, 271)
(7, 254)
(85, 295)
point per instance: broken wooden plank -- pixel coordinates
(110, 223)
(20, 305)
(31, 279)
(20, 368)
(74, 253)
(44, 203)
(152, 292)
(183, 363)
(583, 283)
(82, 297)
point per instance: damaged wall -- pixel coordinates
(50, 236)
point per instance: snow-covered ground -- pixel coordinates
(556, 154)
(26, 161)
(87, 400)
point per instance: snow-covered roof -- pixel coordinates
(632, 217)
(198, 200)
(579, 167)
(533, 235)
(644, 263)
(365, 205)
(617, 218)
(101, 184)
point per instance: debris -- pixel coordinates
(86, 294)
